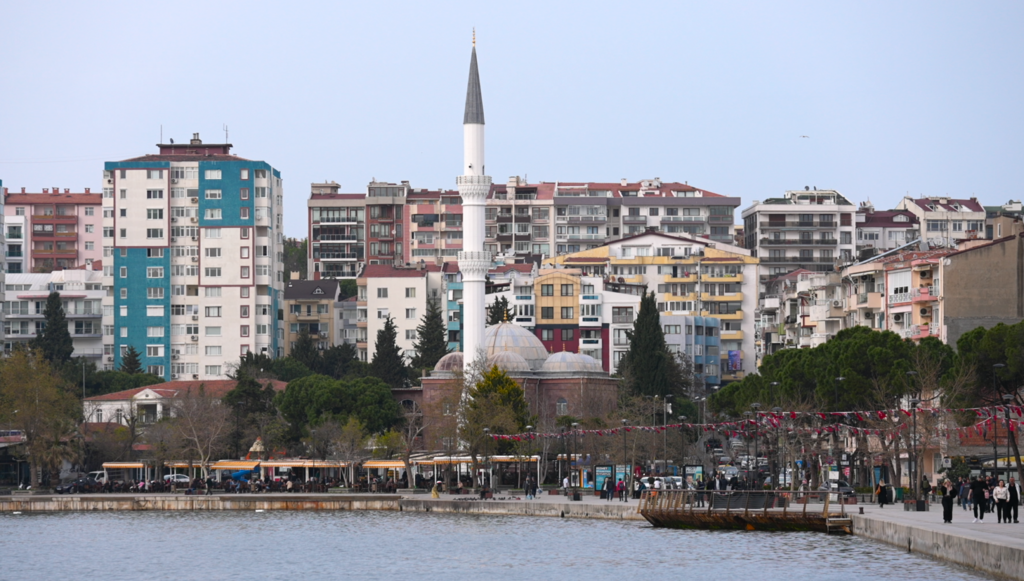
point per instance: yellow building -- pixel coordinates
(311, 306)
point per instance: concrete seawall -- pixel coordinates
(606, 511)
(996, 549)
(110, 502)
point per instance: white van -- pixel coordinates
(99, 476)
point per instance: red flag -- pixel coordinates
(881, 415)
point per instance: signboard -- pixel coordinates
(735, 363)
(694, 474)
(947, 462)
(602, 473)
(622, 472)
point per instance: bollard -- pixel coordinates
(861, 509)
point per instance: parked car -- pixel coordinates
(176, 479)
(843, 488)
(84, 484)
(98, 475)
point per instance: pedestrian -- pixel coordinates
(964, 493)
(657, 485)
(1015, 496)
(1002, 497)
(609, 489)
(620, 488)
(979, 498)
(880, 493)
(565, 485)
(948, 492)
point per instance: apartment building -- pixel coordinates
(397, 292)
(800, 309)
(692, 277)
(57, 230)
(944, 220)
(193, 256)
(82, 294)
(808, 229)
(337, 235)
(569, 311)
(879, 231)
(435, 225)
(311, 306)
(387, 225)
(994, 215)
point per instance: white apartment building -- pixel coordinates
(82, 295)
(400, 293)
(193, 255)
(944, 220)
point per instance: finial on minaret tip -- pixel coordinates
(474, 37)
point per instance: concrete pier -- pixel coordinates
(993, 548)
(106, 502)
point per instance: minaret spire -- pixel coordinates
(474, 97)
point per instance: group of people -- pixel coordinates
(983, 495)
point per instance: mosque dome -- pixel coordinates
(450, 362)
(566, 362)
(509, 337)
(508, 361)
(595, 365)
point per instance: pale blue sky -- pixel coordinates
(897, 97)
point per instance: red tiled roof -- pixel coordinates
(970, 205)
(885, 219)
(156, 157)
(389, 271)
(516, 267)
(215, 388)
(89, 199)
(663, 235)
(337, 196)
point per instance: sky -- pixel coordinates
(894, 98)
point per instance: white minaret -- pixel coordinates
(473, 187)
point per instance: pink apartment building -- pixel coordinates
(52, 230)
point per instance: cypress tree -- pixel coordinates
(131, 363)
(387, 363)
(499, 311)
(306, 353)
(55, 340)
(649, 368)
(431, 338)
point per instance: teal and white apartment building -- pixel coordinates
(193, 260)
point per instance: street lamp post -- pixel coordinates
(835, 435)
(757, 460)
(529, 430)
(995, 453)
(626, 468)
(487, 449)
(1008, 399)
(664, 433)
(575, 453)
(914, 471)
(777, 466)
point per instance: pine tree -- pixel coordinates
(505, 392)
(388, 364)
(649, 368)
(131, 363)
(499, 311)
(431, 338)
(306, 353)
(55, 341)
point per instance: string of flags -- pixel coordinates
(769, 423)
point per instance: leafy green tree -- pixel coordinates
(309, 400)
(499, 311)
(305, 352)
(648, 367)
(505, 392)
(340, 361)
(55, 340)
(387, 363)
(131, 362)
(347, 288)
(431, 338)
(246, 399)
(295, 250)
(373, 404)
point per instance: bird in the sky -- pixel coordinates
(805, 136)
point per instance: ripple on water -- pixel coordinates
(387, 545)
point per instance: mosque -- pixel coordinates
(555, 384)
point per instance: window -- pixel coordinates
(154, 194)
(124, 273)
(213, 369)
(157, 370)
(151, 174)
(212, 311)
(243, 174)
(244, 213)
(89, 228)
(410, 292)
(212, 291)
(213, 331)
(124, 232)
(244, 234)
(936, 226)
(567, 290)
(243, 311)
(154, 350)
(382, 313)
(213, 233)
(382, 293)
(124, 310)
(212, 174)
(244, 330)
(213, 213)
(154, 232)
(124, 331)
(124, 212)
(154, 331)
(672, 329)
(244, 292)
(547, 312)
(124, 194)
(262, 330)
(243, 272)
(845, 238)
(410, 334)
(154, 310)
(124, 293)
(245, 252)
(20, 211)
(154, 272)
(211, 272)
(547, 290)
(410, 313)
(90, 246)
(154, 252)
(567, 334)
(213, 350)
(567, 313)
(244, 193)
(212, 252)
(154, 213)
(108, 232)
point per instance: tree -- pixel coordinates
(351, 445)
(499, 311)
(387, 363)
(55, 340)
(322, 438)
(431, 337)
(246, 399)
(305, 352)
(35, 401)
(202, 424)
(648, 367)
(295, 252)
(506, 392)
(131, 362)
(347, 287)
(340, 361)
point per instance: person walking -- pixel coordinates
(979, 498)
(609, 489)
(948, 492)
(964, 490)
(565, 485)
(1002, 497)
(880, 493)
(1014, 489)
(620, 489)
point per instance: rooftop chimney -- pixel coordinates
(195, 140)
(67, 190)
(624, 182)
(87, 190)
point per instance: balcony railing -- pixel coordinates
(899, 298)
(622, 319)
(799, 242)
(798, 224)
(683, 219)
(634, 219)
(589, 219)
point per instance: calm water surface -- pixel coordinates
(384, 545)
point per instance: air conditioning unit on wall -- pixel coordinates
(897, 318)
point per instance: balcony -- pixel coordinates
(55, 253)
(339, 256)
(721, 277)
(590, 321)
(797, 225)
(665, 219)
(589, 297)
(770, 303)
(796, 260)
(897, 298)
(634, 219)
(799, 242)
(691, 278)
(622, 319)
(595, 342)
(923, 294)
(588, 219)
(737, 316)
(708, 297)
(55, 218)
(336, 238)
(869, 301)
(586, 237)
(55, 235)
(14, 254)
(732, 335)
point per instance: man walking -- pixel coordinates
(1014, 499)
(979, 498)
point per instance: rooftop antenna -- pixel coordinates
(226, 140)
(161, 133)
(474, 37)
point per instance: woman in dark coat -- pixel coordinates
(948, 497)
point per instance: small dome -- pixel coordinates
(513, 338)
(450, 362)
(566, 362)
(508, 361)
(594, 363)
